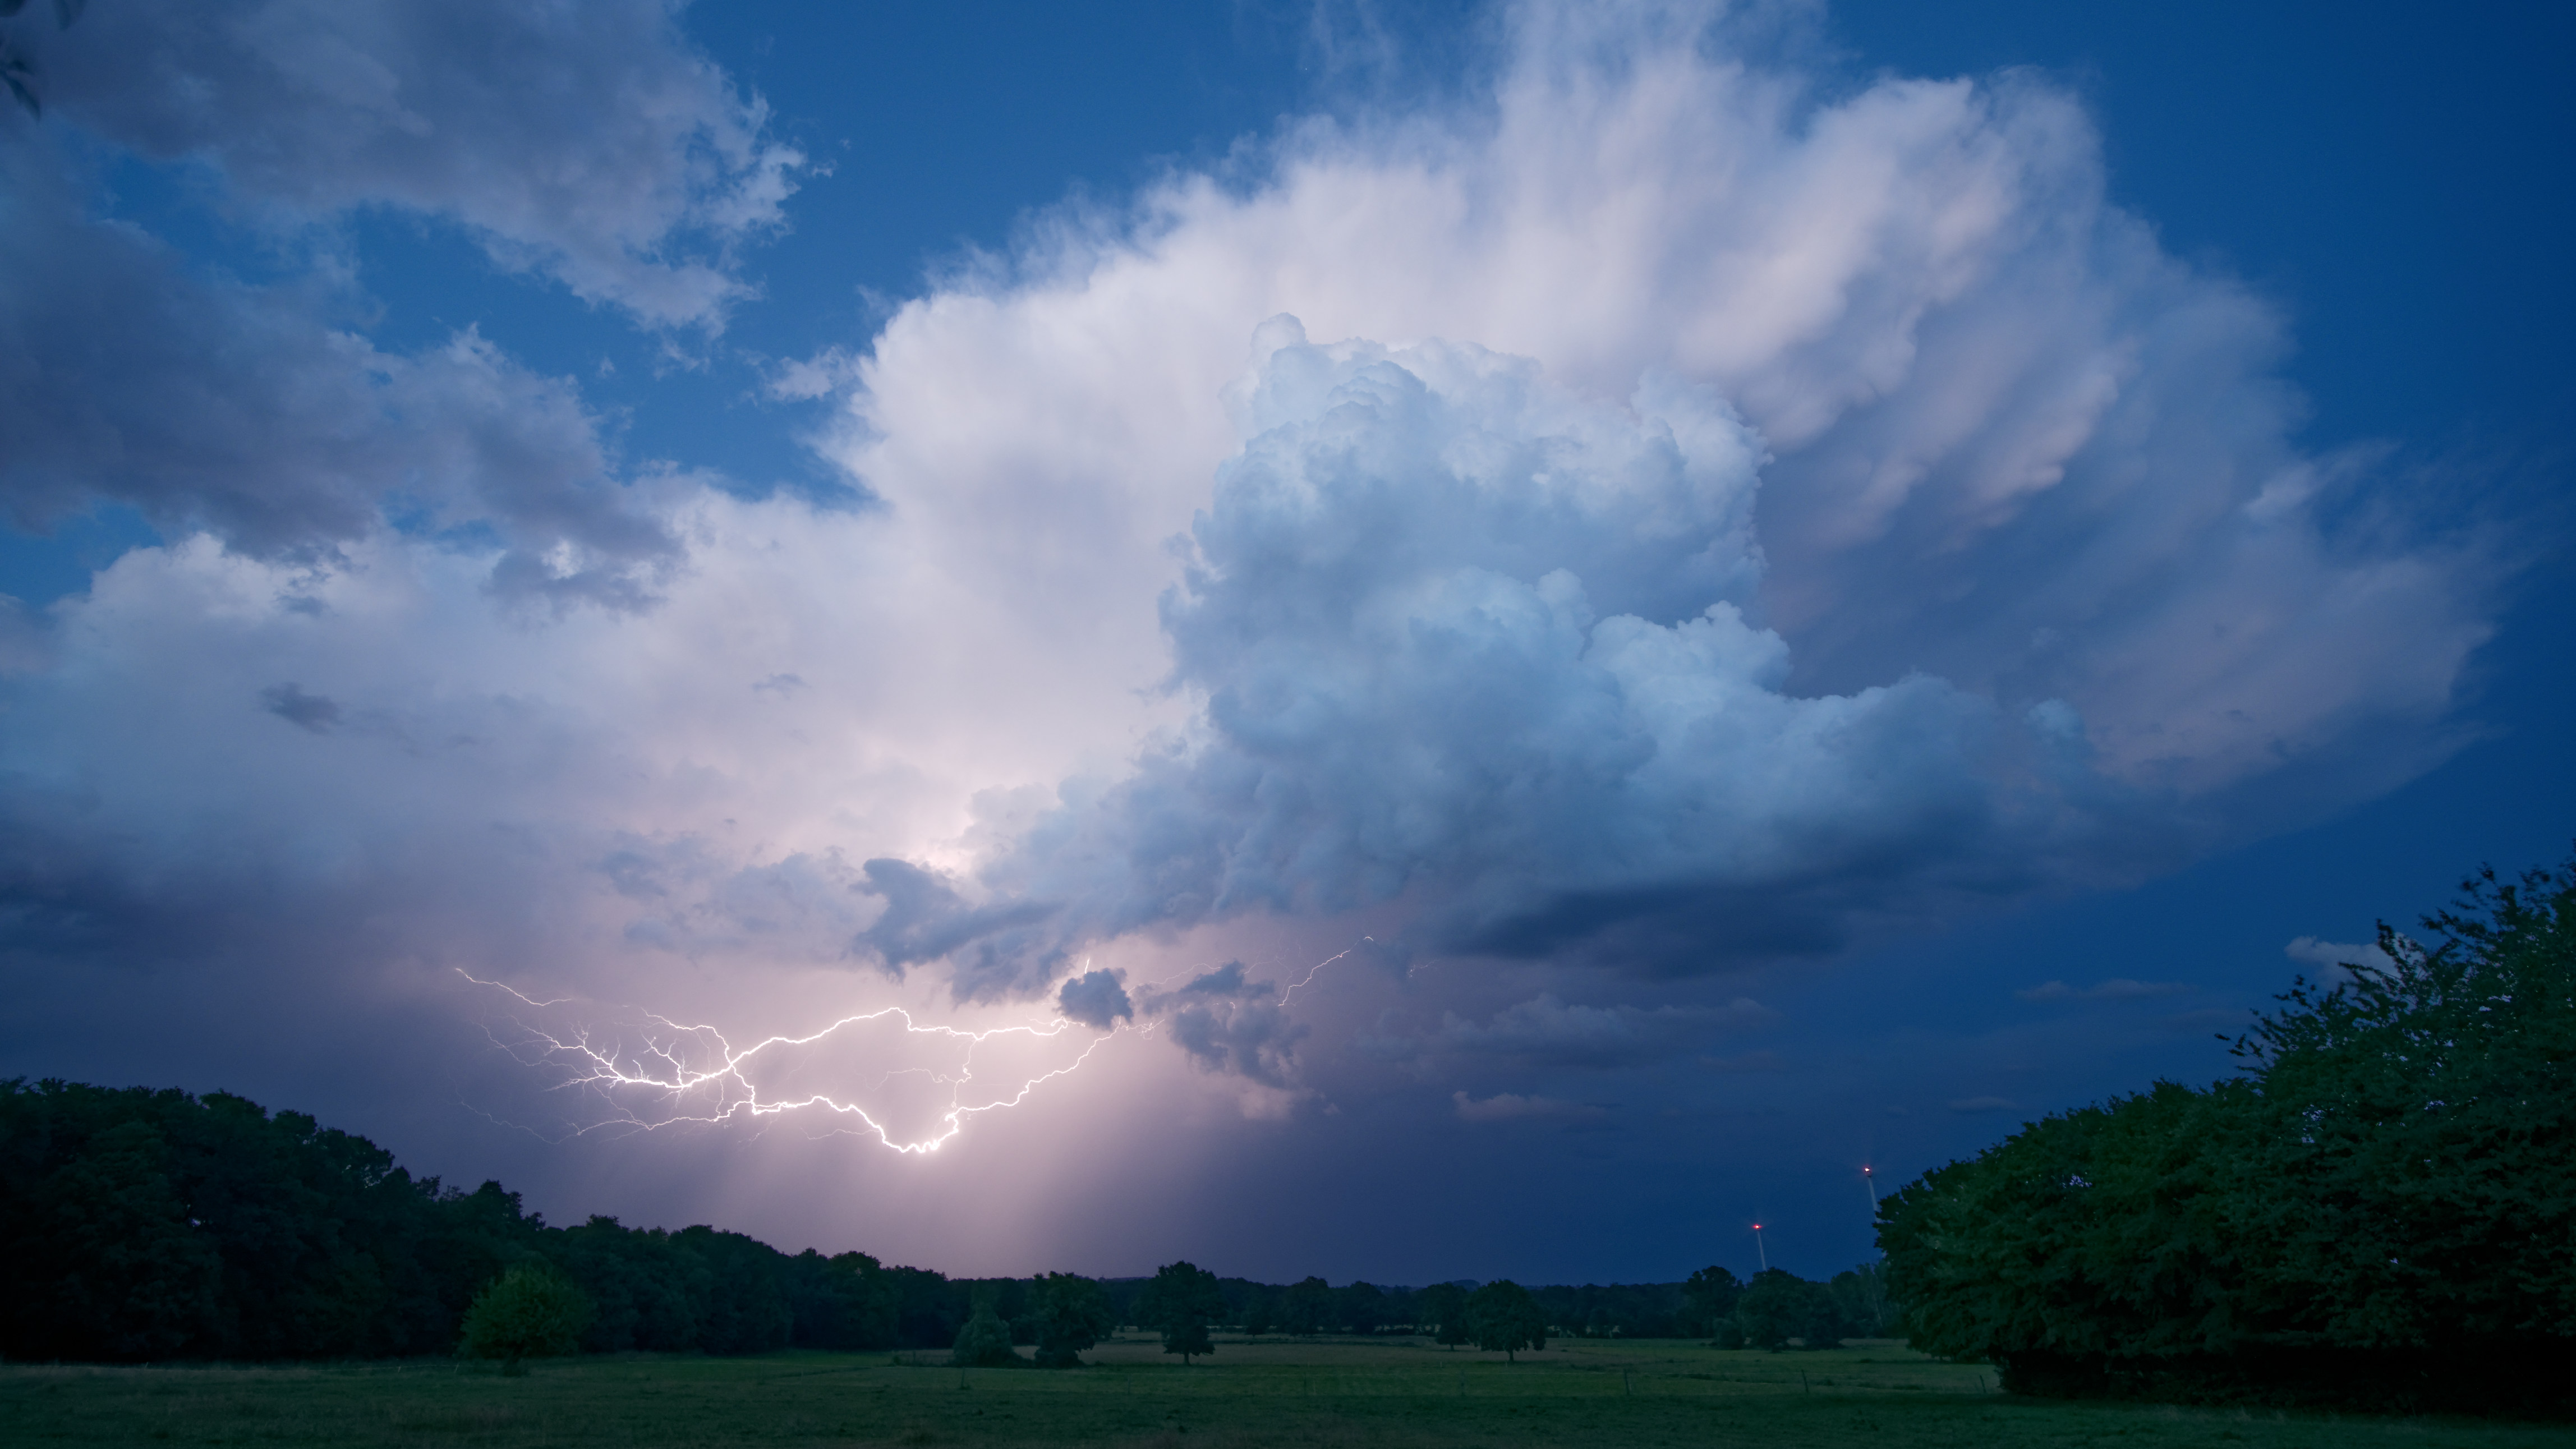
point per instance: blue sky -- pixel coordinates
(2040, 514)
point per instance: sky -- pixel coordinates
(1397, 642)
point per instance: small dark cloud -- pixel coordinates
(289, 702)
(1972, 1106)
(1253, 1040)
(1097, 999)
(780, 684)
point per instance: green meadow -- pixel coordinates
(1361, 1392)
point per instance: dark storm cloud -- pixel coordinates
(591, 143)
(290, 703)
(210, 404)
(1096, 999)
(1546, 1032)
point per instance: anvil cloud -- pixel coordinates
(1650, 517)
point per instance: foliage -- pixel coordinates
(1710, 1295)
(1443, 1307)
(1503, 1318)
(1778, 1306)
(985, 1340)
(528, 1312)
(1179, 1303)
(1072, 1315)
(2378, 1211)
(1306, 1307)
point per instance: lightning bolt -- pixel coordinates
(1317, 969)
(652, 1072)
(702, 1079)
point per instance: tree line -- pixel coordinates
(154, 1224)
(2378, 1211)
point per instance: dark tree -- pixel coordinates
(530, 1312)
(1361, 1308)
(1710, 1295)
(1072, 1314)
(1441, 1310)
(1778, 1306)
(1503, 1318)
(2378, 1212)
(985, 1340)
(1306, 1307)
(1179, 1303)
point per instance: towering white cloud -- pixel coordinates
(1699, 516)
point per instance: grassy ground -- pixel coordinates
(1265, 1393)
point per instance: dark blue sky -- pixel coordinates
(613, 649)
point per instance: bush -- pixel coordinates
(529, 1312)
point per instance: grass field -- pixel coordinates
(1262, 1393)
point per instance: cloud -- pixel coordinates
(290, 703)
(591, 144)
(1096, 999)
(1766, 515)
(207, 404)
(2118, 988)
(1255, 1040)
(2333, 959)
(1871, 523)
(1509, 1107)
(1544, 1031)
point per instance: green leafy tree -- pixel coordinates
(1503, 1318)
(1306, 1307)
(2376, 1212)
(1778, 1306)
(1071, 1315)
(985, 1340)
(1709, 1296)
(1361, 1307)
(1442, 1308)
(1860, 1300)
(1180, 1302)
(531, 1311)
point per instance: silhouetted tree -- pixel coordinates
(1306, 1307)
(1361, 1307)
(1071, 1315)
(1442, 1308)
(1710, 1294)
(530, 1312)
(2378, 1212)
(1179, 1303)
(985, 1341)
(1503, 1318)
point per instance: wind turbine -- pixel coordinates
(1757, 1247)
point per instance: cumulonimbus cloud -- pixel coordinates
(1699, 516)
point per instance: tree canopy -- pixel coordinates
(2378, 1210)
(528, 1312)
(1072, 1315)
(1180, 1302)
(1503, 1318)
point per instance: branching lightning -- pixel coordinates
(702, 1079)
(881, 1073)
